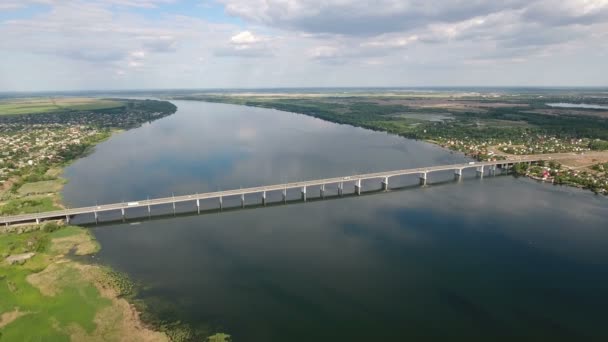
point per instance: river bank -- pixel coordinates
(48, 293)
(53, 289)
(52, 296)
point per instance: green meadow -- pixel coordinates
(50, 105)
(45, 298)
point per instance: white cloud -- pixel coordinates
(244, 38)
(112, 43)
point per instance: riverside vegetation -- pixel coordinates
(49, 292)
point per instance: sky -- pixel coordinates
(178, 44)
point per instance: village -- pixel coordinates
(31, 143)
(497, 149)
(592, 176)
(22, 149)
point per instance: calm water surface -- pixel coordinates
(481, 259)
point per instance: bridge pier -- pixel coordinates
(285, 195)
(385, 184)
(122, 212)
(340, 189)
(96, 217)
(422, 178)
(37, 221)
(198, 206)
(358, 187)
(304, 193)
(243, 200)
(480, 171)
(263, 197)
(458, 174)
(221, 203)
(493, 170)
(67, 219)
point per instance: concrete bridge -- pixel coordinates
(384, 177)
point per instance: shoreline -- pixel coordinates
(429, 141)
(130, 316)
(100, 276)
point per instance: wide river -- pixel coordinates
(497, 258)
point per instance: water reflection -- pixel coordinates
(498, 258)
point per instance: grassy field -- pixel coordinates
(28, 205)
(48, 105)
(42, 187)
(53, 298)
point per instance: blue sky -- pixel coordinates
(126, 44)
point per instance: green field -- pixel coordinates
(50, 105)
(42, 187)
(44, 305)
(28, 205)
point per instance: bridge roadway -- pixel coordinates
(422, 171)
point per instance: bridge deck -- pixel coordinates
(245, 191)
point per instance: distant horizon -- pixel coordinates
(235, 89)
(113, 45)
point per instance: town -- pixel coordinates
(34, 147)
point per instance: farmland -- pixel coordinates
(52, 105)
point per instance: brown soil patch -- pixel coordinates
(586, 160)
(47, 281)
(82, 244)
(8, 317)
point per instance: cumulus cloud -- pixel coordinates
(301, 42)
(397, 24)
(246, 44)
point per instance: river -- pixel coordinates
(497, 258)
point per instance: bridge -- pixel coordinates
(384, 177)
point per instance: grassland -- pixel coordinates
(51, 297)
(51, 105)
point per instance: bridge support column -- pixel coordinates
(480, 171)
(67, 219)
(285, 195)
(264, 198)
(304, 193)
(493, 170)
(37, 221)
(322, 191)
(458, 174)
(198, 206)
(358, 187)
(340, 189)
(96, 216)
(122, 212)
(174, 207)
(385, 184)
(243, 200)
(221, 203)
(423, 178)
